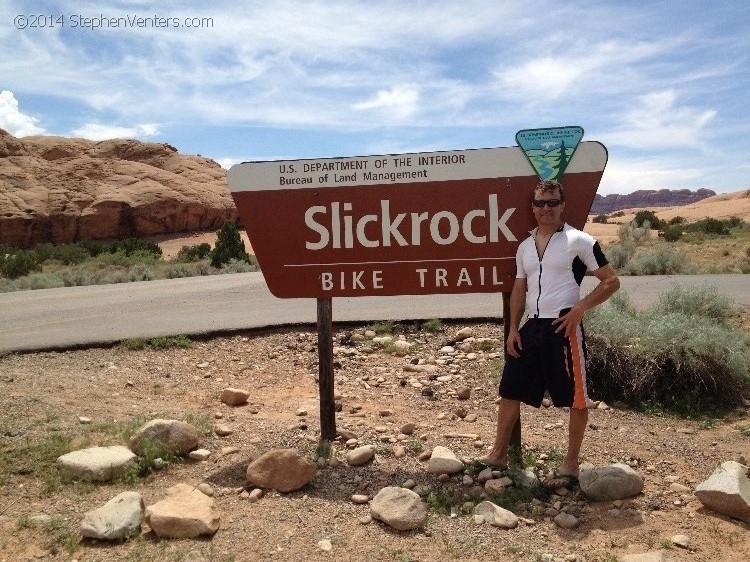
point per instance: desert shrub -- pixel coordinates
(676, 220)
(132, 246)
(16, 263)
(709, 225)
(671, 233)
(602, 219)
(702, 300)
(643, 216)
(689, 363)
(229, 245)
(618, 214)
(66, 254)
(662, 259)
(433, 325)
(178, 270)
(196, 252)
(619, 254)
(240, 266)
(140, 272)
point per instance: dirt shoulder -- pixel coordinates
(42, 396)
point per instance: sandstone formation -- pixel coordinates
(55, 189)
(647, 198)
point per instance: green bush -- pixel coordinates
(702, 300)
(619, 254)
(647, 216)
(195, 252)
(240, 266)
(690, 363)
(229, 245)
(676, 220)
(602, 219)
(671, 233)
(133, 246)
(16, 263)
(662, 259)
(709, 225)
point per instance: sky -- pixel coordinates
(664, 85)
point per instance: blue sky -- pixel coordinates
(663, 84)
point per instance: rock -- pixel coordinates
(234, 396)
(199, 454)
(496, 485)
(399, 508)
(648, 198)
(255, 495)
(360, 499)
(528, 478)
(727, 491)
(400, 345)
(399, 451)
(122, 189)
(284, 470)
(119, 518)
(223, 430)
(463, 333)
(614, 482)
(186, 512)
(681, 540)
(566, 521)
(426, 368)
(206, 488)
(408, 428)
(360, 455)
(325, 545)
(97, 463)
(175, 436)
(444, 461)
(496, 515)
(484, 475)
(463, 393)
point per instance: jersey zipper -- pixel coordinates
(539, 293)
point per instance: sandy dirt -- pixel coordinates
(42, 396)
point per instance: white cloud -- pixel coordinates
(399, 102)
(98, 132)
(625, 175)
(658, 122)
(227, 163)
(13, 120)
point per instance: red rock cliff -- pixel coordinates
(55, 189)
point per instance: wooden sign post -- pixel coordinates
(397, 224)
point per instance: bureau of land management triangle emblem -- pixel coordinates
(549, 151)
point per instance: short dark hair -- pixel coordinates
(551, 185)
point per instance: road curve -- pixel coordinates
(104, 314)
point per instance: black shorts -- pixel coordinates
(548, 361)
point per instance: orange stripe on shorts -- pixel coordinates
(580, 397)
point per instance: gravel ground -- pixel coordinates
(43, 395)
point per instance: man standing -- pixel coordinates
(548, 352)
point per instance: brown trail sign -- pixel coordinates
(397, 224)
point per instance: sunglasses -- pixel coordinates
(549, 202)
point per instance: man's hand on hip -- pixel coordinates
(514, 339)
(569, 321)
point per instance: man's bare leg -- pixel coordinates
(576, 429)
(507, 414)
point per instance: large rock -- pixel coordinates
(496, 515)
(119, 518)
(283, 470)
(360, 455)
(234, 396)
(174, 436)
(648, 198)
(55, 189)
(444, 461)
(186, 512)
(399, 508)
(615, 482)
(727, 491)
(97, 463)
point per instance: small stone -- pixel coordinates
(199, 454)
(255, 495)
(681, 540)
(84, 419)
(463, 393)
(566, 521)
(360, 499)
(325, 545)
(223, 430)
(407, 428)
(470, 418)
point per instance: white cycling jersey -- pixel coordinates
(553, 281)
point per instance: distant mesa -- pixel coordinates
(647, 198)
(59, 190)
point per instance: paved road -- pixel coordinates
(73, 316)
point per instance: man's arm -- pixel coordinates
(608, 285)
(517, 305)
